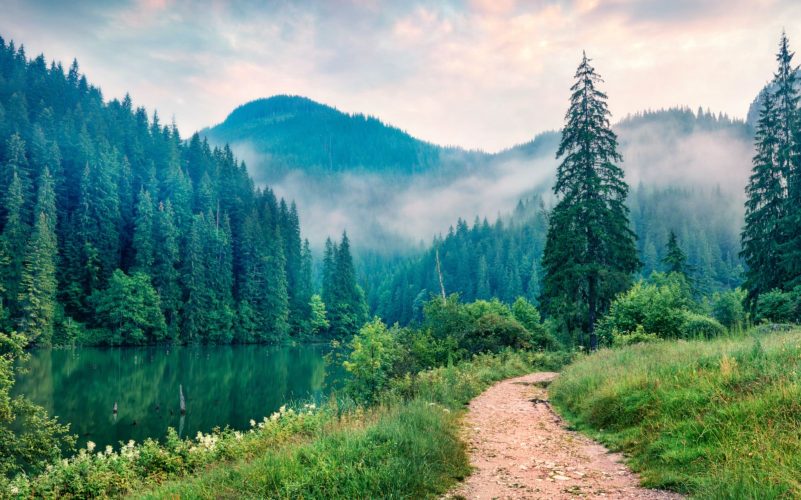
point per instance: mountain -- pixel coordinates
(285, 133)
(391, 191)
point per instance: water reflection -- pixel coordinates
(222, 385)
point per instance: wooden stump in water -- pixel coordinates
(183, 401)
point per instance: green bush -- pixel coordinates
(727, 308)
(373, 353)
(658, 306)
(699, 326)
(639, 336)
(777, 306)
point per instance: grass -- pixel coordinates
(405, 447)
(713, 419)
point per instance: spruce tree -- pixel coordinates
(165, 267)
(675, 259)
(37, 293)
(13, 242)
(765, 207)
(143, 243)
(590, 251)
(788, 158)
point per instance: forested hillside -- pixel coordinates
(293, 132)
(483, 260)
(115, 230)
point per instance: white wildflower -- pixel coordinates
(90, 446)
(252, 423)
(238, 435)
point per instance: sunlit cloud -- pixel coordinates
(475, 73)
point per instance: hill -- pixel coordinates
(283, 133)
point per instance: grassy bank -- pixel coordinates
(715, 419)
(405, 445)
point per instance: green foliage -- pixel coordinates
(777, 306)
(129, 309)
(120, 190)
(590, 253)
(29, 438)
(528, 316)
(373, 351)
(638, 336)
(728, 308)
(712, 419)
(698, 326)
(659, 307)
(317, 317)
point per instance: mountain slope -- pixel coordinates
(290, 132)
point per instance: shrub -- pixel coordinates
(700, 326)
(639, 336)
(727, 308)
(658, 306)
(373, 352)
(777, 306)
(528, 316)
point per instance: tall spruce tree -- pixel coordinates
(37, 291)
(13, 242)
(765, 207)
(788, 159)
(590, 251)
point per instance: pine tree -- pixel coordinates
(13, 244)
(765, 207)
(165, 272)
(590, 251)
(37, 295)
(675, 259)
(143, 243)
(787, 131)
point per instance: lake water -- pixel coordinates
(223, 385)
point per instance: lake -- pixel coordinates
(222, 385)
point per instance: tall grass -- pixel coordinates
(715, 419)
(405, 447)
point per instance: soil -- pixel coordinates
(520, 448)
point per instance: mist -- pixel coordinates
(398, 213)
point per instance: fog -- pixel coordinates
(389, 213)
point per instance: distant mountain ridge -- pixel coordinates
(390, 190)
(288, 132)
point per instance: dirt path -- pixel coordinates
(521, 449)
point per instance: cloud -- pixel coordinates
(475, 73)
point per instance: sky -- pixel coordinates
(480, 74)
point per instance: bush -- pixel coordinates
(728, 309)
(777, 306)
(528, 316)
(638, 337)
(699, 326)
(658, 307)
(373, 352)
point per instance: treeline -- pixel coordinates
(114, 230)
(502, 259)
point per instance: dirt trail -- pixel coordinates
(521, 449)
